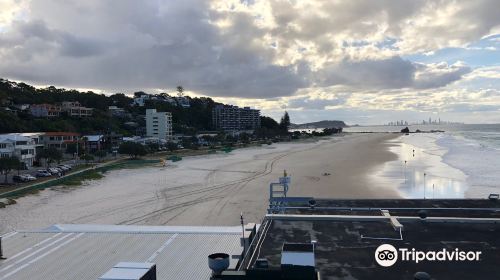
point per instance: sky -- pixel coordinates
(364, 62)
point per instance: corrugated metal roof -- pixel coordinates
(81, 252)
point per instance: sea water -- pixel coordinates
(462, 161)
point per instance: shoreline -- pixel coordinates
(212, 189)
(422, 172)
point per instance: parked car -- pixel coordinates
(67, 166)
(19, 179)
(43, 173)
(54, 170)
(63, 167)
(29, 177)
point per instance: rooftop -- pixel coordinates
(346, 234)
(89, 251)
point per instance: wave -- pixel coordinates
(477, 158)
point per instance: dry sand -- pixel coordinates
(214, 189)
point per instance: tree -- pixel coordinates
(87, 158)
(244, 137)
(269, 123)
(132, 149)
(71, 148)
(100, 154)
(285, 122)
(180, 91)
(50, 155)
(7, 164)
(171, 146)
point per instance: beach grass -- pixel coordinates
(79, 179)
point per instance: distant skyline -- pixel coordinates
(364, 62)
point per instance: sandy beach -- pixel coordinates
(214, 189)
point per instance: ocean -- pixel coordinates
(463, 161)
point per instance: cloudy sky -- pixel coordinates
(365, 62)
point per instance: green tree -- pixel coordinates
(100, 154)
(7, 164)
(87, 158)
(171, 146)
(269, 123)
(49, 155)
(71, 148)
(285, 122)
(132, 149)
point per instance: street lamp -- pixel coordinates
(424, 184)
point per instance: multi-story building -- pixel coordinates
(14, 144)
(158, 124)
(233, 118)
(45, 110)
(59, 140)
(75, 109)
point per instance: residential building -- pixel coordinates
(158, 124)
(75, 109)
(45, 110)
(141, 100)
(112, 141)
(233, 118)
(94, 143)
(183, 101)
(37, 138)
(163, 97)
(117, 111)
(21, 107)
(59, 140)
(14, 144)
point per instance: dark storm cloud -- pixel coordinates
(128, 45)
(143, 45)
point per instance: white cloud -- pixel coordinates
(267, 53)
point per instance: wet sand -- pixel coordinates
(214, 189)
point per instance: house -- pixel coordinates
(75, 109)
(94, 143)
(14, 144)
(141, 100)
(45, 110)
(21, 107)
(116, 111)
(183, 101)
(112, 141)
(59, 140)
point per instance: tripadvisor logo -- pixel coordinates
(387, 255)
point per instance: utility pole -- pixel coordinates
(1, 252)
(243, 234)
(424, 184)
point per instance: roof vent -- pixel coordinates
(131, 271)
(218, 262)
(297, 261)
(422, 214)
(312, 203)
(261, 263)
(422, 276)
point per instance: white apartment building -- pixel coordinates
(13, 144)
(158, 124)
